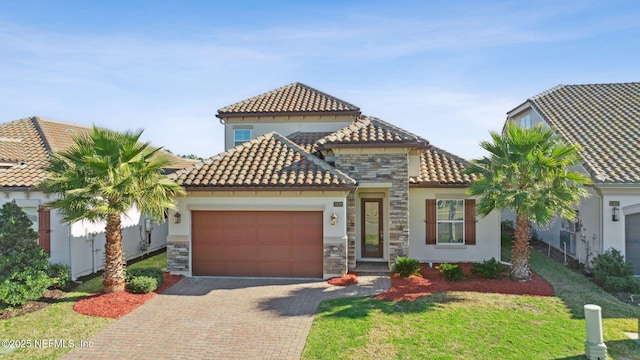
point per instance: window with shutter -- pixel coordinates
(450, 221)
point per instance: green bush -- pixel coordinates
(60, 275)
(142, 284)
(613, 274)
(24, 275)
(451, 272)
(488, 268)
(621, 284)
(152, 272)
(24, 265)
(406, 267)
(611, 263)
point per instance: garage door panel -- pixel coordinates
(273, 253)
(271, 218)
(257, 243)
(278, 269)
(239, 235)
(276, 235)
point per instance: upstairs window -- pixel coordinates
(525, 121)
(241, 136)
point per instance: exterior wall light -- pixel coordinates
(177, 218)
(615, 213)
(334, 219)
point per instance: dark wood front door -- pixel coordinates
(372, 230)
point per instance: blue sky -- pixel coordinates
(445, 70)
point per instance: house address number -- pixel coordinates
(338, 204)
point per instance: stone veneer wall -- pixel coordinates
(177, 256)
(335, 257)
(383, 168)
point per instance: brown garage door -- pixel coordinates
(257, 243)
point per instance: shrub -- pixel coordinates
(152, 272)
(621, 284)
(24, 265)
(611, 263)
(451, 272)
(60, 275)
(24, 275)
(406, 267)
(142, 284)
(488, 268)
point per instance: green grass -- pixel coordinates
(59, 322)
(465, 325)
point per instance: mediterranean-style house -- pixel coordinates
(310, 187)
(25, 146)
(604, 120)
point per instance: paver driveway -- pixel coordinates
(222, 318)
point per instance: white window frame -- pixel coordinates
(461, 221)
(237, 140)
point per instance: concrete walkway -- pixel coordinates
(222, 318)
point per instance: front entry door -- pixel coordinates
(372, 229)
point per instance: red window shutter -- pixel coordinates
(44, 228)
(431, 221)
(470, 221)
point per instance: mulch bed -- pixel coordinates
(344, 280)
(116, 305)
(432, 281)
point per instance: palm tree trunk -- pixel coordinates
(520, 270)
(114, 264)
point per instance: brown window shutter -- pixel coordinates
(431, 221)
(44, 228)
(470, 221)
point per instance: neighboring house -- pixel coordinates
(309, 187)
(604, 119)
(25, 146)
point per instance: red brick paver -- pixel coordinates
(222, 318)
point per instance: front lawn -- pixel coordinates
(59, 322)
(466, 325)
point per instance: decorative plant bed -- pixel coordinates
(116, 305)
(432, 281)
(344, 280)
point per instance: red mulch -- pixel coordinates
(432, 282)
(116, 305)
(344, 280)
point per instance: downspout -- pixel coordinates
(73, 278)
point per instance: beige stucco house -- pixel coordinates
(310, 187)
(604, 119)
(25, 146)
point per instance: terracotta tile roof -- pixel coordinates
(604, 119)
(308, 140)
(27, 143)
(295, 98)
(367, 130)
(270, 161)
(440, 167)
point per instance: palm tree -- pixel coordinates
(102, 176)
(527, 172)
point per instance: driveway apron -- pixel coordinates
(222, 318)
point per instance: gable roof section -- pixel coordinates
(292, 99)
(270, 161)
(604, 119)
(368, 131)
(308, 140)
(438, 167)
(26, 144)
